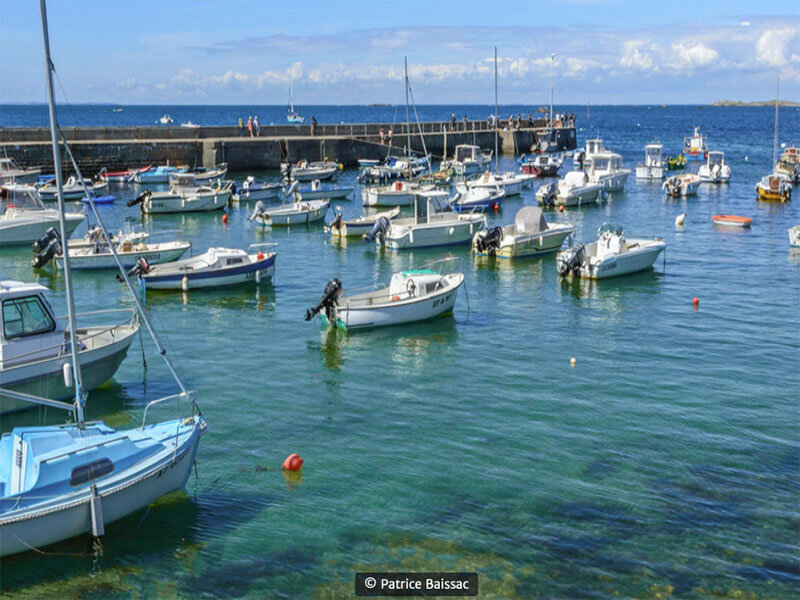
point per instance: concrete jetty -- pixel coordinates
(118, 148)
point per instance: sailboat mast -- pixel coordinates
(775, 137)
(291, 93)
(73, 341)
(495, 109)
(408, 118)
(552, 67)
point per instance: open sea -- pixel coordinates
(665, 463)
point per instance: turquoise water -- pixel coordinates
(665, 462)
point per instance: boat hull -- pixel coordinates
(176, 204)
(325, 194)
(626, 263)
(311, 175)
(388, 198)
(28, 230)
(549, 171)
(643, 172)
(253, 272)
(281, 217)
(87, 261)
(527, 246)
(431, 235)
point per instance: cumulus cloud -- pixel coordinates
(692, 55)
(634, 57)
(771, 46)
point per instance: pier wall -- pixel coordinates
(126, 147)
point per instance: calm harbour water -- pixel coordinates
(665, 462)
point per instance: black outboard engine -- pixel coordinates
(337, 222)
(328, 301)
(550, 193)
(490, 242)
(257, 210)
(140, 198)
(570, 260)
(52, 249)
(44, 241)
(286, 171)
(141, 267)
(378, 230)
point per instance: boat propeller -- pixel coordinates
(328, 301)
(378, 230)
(140, 198)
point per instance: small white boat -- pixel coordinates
(165, 120)
(475, 198)
(72, 189)
(399, 193)
(35, 347)
(789, 164)
(529, 235)
(468, 160)
(91, 238)
(433, 224)
(11, 172)
(574, 189)
(190, 124)
(290, 213)
(654, 166)
(318, 191)
(359, 227)
(794, 236)
(395, 168)
(610, 256)
(510, 183)
(412, 296)
(309, 171)
(207, 174)
(184, 195)
(715, 170)
(24, 218)
(605, 168)
(252, 190)
(217, 267)
(368, 162)
(682, 185)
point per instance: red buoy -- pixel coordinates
(561, 208)
(225, 218)
(696, 301)
(260, 255)
(293, 462)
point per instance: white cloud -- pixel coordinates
(771, 46)
(691, 55)
(633, 56)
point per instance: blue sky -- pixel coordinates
(208, 52)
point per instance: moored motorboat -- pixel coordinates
(775, 187)
(676, 163)
(160, 174)
(541, 165)
(308, 171)
(415, 295)
(653, 166)
(610, 256)
(574, 189)
(73, 189)
(468, 159)
(252, 190)
(185, 195)
(11, 172)
(695, 147)
(715, 170)
(682, 185)
(789, 164)
(475, 198)
(217, 267)
(529, 235)
(732, 220)
(318, 190)
(510, 183)
(165, 120)
(343, 228)
(24, 218)
(207, 174)
(794, 236)
(290, 213)
(605, 168)
(399, 193)
(121, 176)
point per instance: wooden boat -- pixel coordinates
(774, 188)
(682, 185)
(412, 296)
(732, 220)
(610, 256)
(217, 267)
(529, 235)
(290, 213)
(359, 227)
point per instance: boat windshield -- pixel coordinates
(600, 163)
(614, 228)
(715, 158)
(21, 197)
(183, 180)
(465, 153)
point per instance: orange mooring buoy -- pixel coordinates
(561, 208)
(696, 301)
(293, 462)
(225, 218)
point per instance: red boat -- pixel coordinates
(732, 220)
(121, 176)
(542, 165)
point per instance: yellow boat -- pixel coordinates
(775, 187)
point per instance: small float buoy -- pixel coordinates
(225, 218)
(680, 219)
(293, 462)
(561, 208)
(696, 302)
(185, 283)
(747, 158)
(495, 206)
(572, 361)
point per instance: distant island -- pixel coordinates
(762, 103)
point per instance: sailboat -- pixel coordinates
(60, 481)
(777, 186)
(292, 116)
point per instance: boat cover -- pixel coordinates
(530, 219)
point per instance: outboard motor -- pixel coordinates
(330, 296)
(337, 222)
(490, 241)
(550, 193)
(141, 267)
(290, 191)
(286, 171)
(140, 198)
(52, 249)
(258, 209)
(378, 230)
(570, 260)
(44, 241)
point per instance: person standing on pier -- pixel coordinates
(382, 136)
(465, 122)
(250, 125)
(257, 126)
(241, 127)
(390, 136)
(453, 122)
(313, 125)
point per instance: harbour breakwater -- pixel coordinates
(130, 147)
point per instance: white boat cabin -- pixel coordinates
(466, 153)
(653, 155)
(28, 326)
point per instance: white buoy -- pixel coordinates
(680, 219)
(98, 527)
(747, 158)
(67, 371)
(258, 277)
(185, 283)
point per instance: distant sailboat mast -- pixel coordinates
(495, 109)
(408, 118)
(775, 137)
